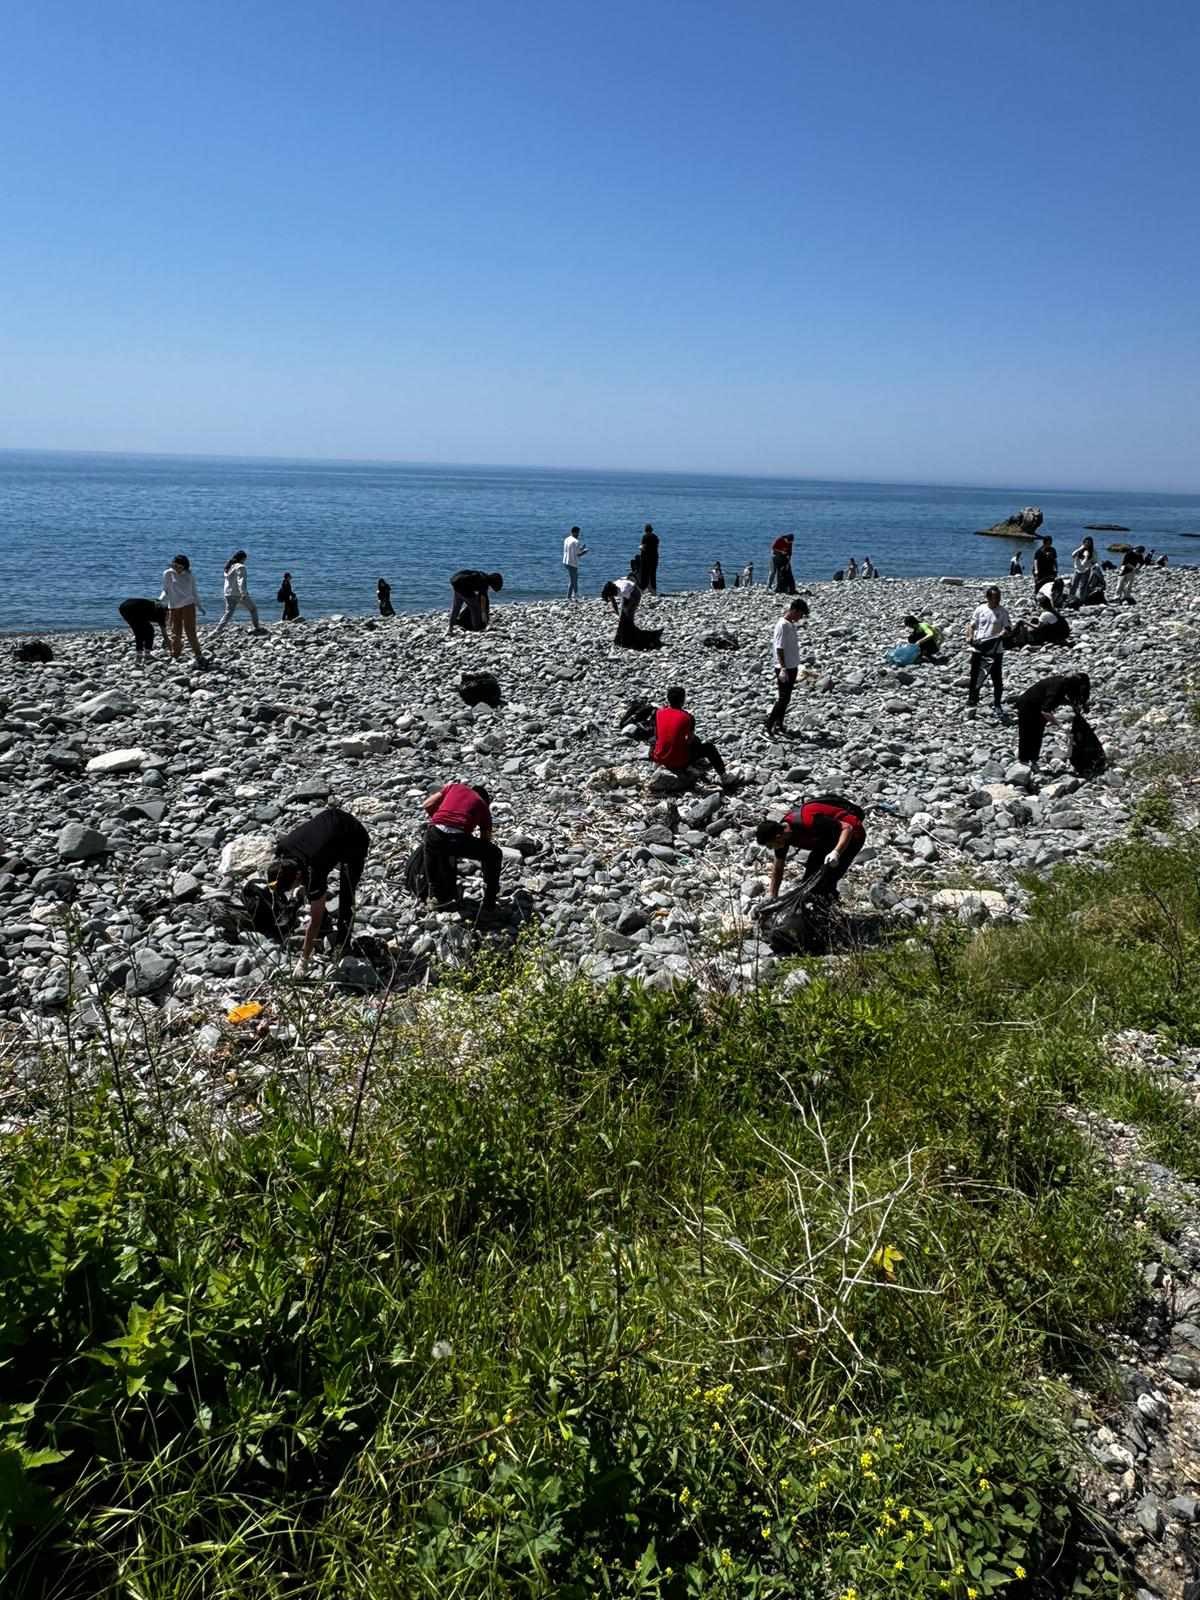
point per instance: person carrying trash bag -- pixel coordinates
(1036, 705)
(830, 828)
(925, 636)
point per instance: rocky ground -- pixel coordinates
(136, 797)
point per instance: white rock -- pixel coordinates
(248, 856)
(116, 761)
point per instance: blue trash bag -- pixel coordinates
(903, 655)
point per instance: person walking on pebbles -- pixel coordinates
(648, 560)
(470, 600)
(573, 549)
(832, 832)
(289, 600)
(989, 627)
(182, 601)
(307, 856)
(785, 657)
(676, 746)
(237, 593)
(143, 616)
(460, 828)
(1036, 706)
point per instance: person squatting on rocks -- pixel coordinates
(989, 627)
(573, 549)
(1036, 706)
(182, 602)
(143, 616)
(1054, 590)
(828, 829)
(1045, 563)
(1049, 627)
(624, 596)
(925, 636)
(288, 599)
(470, 598)
(236, 592)
(1130, 562)
(457, 812)
(1083, 559)
(305, 859)
(1016, 568)
(676, 745)
(785, 657)
(780, 576)
(647, 574)
(716, 577)
(383, 593)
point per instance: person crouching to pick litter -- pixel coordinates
(828, 829)
(455, 812)
(306, 857)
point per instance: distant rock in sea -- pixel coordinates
(1023, 524)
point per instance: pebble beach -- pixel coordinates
(138, 798)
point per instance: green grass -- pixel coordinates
(606, 1293)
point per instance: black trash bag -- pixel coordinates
(479, 688)
(798, 923)
(33, 650)
(638, 714)
(264, 911)
(1084, 750)
(721, 639)
(416, 879)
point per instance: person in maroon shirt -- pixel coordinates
(456, 811)
(830, 832)
(675, 743)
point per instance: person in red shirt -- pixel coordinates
(781, 578)
(675, 743)
(456, 813)
(830, 832)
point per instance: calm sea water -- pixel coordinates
(78, 533)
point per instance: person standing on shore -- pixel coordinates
(572, 550)
(868, 567)
(1045, 563)
(1036, 706)
(306, 857)
(829, 829)
(989, 627)
(236, 592)
(1083, 559)
(781, 557)
(470, 598)
(1015, 567)
(457, 812)
(143, 616)
(785, 656)
(182, 601)
(676, 745)
(851, 570)
(1130, 562)
(383, 593)
(716, 577)
(648, 560)
(289, 600)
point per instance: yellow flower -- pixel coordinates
(716, 1427)
(685, 1494)
(905, 1513)
(765, 1530)
(898, 1565)
(785, 1484)
(726, 1559)
(927, 1527)
(848, 1594)
(972, 1594)
(866, 1460)
(984, 1484)
(509, 1418)
(1019, 1570)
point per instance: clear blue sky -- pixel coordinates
(953, 241)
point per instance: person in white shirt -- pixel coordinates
(572, 550)
(1083, 558)
(868, 567)
(987, 630)
(785, 656)
(182, 602)
(236, 592)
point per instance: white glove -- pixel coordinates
(300, 968)
(832, 859)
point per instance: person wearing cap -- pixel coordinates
(460, 827)
(828, 829)
(781, 560)
(470, 599)
(306, 857)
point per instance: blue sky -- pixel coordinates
(951, 242)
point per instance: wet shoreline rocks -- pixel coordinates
(137, 798)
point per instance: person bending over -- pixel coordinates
(624, 596)
(1036, 707)
(989, 627)
(676, 745)
(305, 859)
(470, 598)
(925, 636)
(143, 616)
(460, 826)
(829, 829)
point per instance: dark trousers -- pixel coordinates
(443, 850)
(143, 631)
(785, 680)
(702, 752)
(1031, 730)
(990, 662)
(469, 604)
(834, 875)
(778, 562)
(648, 567)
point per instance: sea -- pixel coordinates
(79, 533)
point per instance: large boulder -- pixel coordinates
(109, 706)
(248, 856)
(76, 842)
(1022, 524)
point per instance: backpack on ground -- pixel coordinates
(838, 800)
(33, 650)
(639, 714)
(480, 688)
(1085, 753)
(416, 878)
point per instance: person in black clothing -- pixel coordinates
(383, 590)
(1045, 563)
(143, 616)
(288, 599)
(469, 589)
(648, 560)
(1036, 705)
(306, 857)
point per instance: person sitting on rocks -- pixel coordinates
(715, 576)
(1049, 627)
(1054, 590)
(925, 636)
(1095, 587)
(676, 745)
(470, 598)
(383, 592)
(832, 832)
(624, 596)
(457, 813)
(1036, 707)
(305, 859)
(143, 616)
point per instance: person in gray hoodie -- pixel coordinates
(236, 592)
